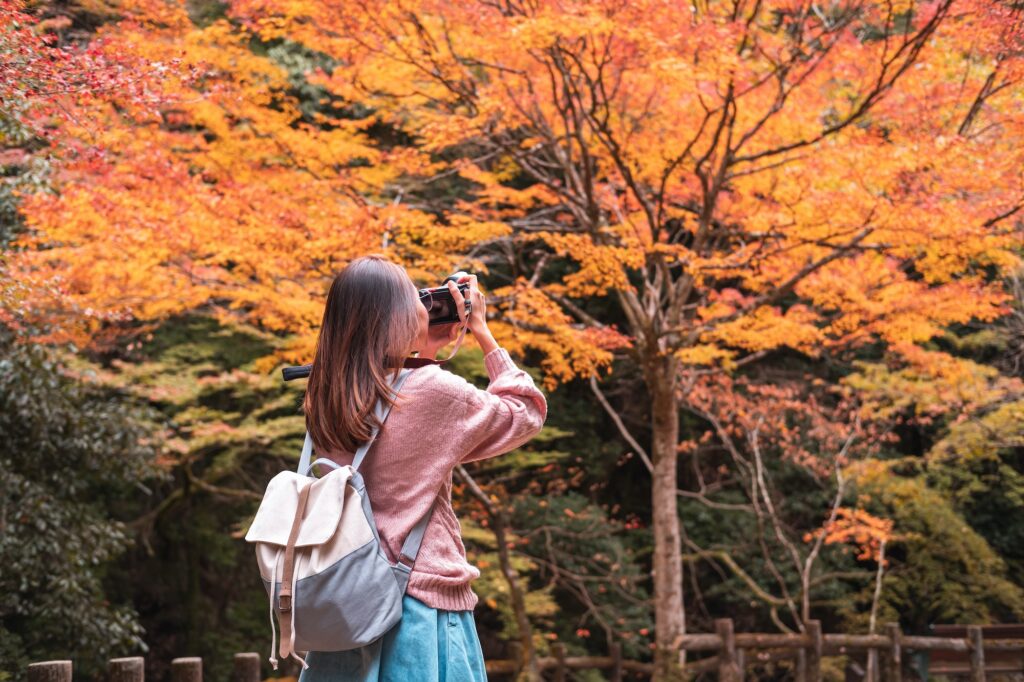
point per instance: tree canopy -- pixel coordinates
(764, 255)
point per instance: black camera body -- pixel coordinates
(439, 303)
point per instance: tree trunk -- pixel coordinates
(669, 616)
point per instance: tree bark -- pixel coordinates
(669, 616)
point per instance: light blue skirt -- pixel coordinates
(427, 645)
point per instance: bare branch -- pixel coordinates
(738, 571)
(637, 448)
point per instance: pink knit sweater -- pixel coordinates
(439, 421)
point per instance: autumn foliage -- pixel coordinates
(766, 216)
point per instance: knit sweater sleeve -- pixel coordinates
(494, 421)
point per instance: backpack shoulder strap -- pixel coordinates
(307, 453)
(382, 411)
(411, 546)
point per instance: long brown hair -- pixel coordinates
(370, 323)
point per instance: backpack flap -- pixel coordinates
(274, 518)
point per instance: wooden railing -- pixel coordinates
(811, 646)
(733, 651)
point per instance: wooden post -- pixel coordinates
(616, 652)
(49, 671)
(187, 670)
(871, 674)
(246, 668)
(728, 668)
(559, 651)
(977, 653)
(814, 651)
(894, 661)
(126, 669)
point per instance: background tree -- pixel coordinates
(734, 178)
(767, 219)
(70, 451)
(226, 425)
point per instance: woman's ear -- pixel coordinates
(453, 333)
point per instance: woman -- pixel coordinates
(374, 319)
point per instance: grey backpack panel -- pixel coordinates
(322, 623)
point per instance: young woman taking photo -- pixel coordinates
(373, 319)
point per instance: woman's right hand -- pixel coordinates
(477, 322)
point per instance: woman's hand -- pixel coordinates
(477, 322)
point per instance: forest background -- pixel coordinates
(763, 255)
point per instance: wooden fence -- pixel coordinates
(246, 669)
(733, 651)
(810, 647)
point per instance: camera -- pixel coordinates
(439, 303)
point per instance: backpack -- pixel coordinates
(329, 581)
